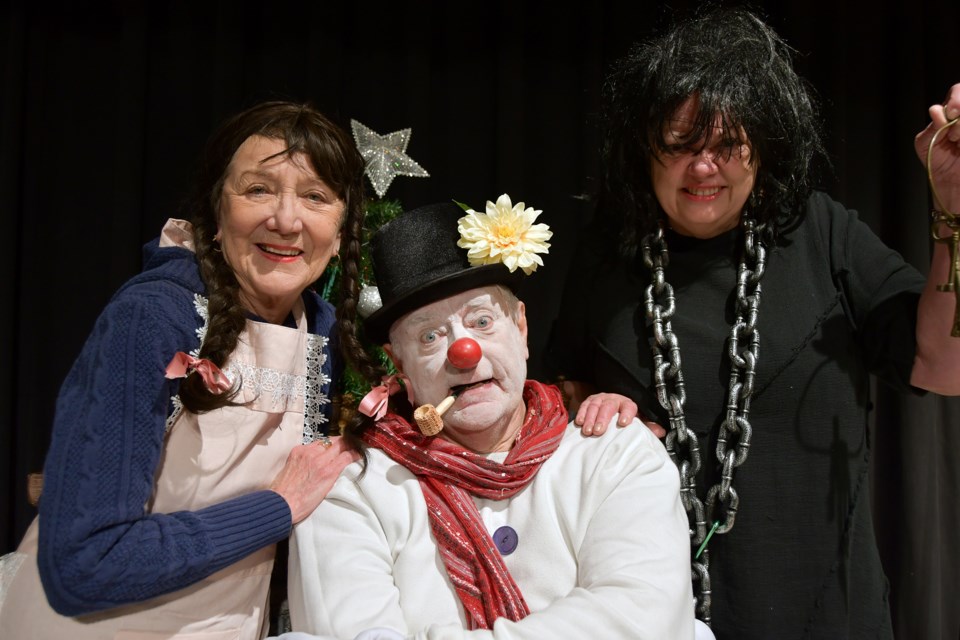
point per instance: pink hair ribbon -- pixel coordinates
(374, 404)
(214, 379)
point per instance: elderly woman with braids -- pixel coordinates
(709, 140)
(189, 435)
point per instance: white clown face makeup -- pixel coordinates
(489, 408)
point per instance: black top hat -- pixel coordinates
(416, 261)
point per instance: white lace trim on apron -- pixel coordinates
(280, 386)
(9, 564)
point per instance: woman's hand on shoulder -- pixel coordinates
(309, 474)
(596, 412)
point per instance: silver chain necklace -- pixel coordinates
(733, 441)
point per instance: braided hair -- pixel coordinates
(741, 73)
(335, 159)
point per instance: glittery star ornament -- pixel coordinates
(386, 156)
(369, 300)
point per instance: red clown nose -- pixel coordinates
(465, 353)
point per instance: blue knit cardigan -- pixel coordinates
(98, 547)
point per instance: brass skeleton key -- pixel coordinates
(941, 215)
(953, 279)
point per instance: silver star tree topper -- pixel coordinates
(385, 156)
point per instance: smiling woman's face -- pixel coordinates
(279, 225)
(702, 191)
(490, 409)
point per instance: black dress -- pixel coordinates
(836, 305)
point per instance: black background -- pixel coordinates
(104, 106)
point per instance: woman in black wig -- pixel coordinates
(707, 189)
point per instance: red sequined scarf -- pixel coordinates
(450, 474)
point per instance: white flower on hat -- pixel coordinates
(506, 234)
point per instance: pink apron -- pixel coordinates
(206, 459)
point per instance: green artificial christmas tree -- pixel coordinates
(386, 158)
(353, 386)
(505, 233)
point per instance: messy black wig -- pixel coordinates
(741, 74)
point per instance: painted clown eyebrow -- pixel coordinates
(418, 319)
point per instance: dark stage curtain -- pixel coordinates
(104, 106)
